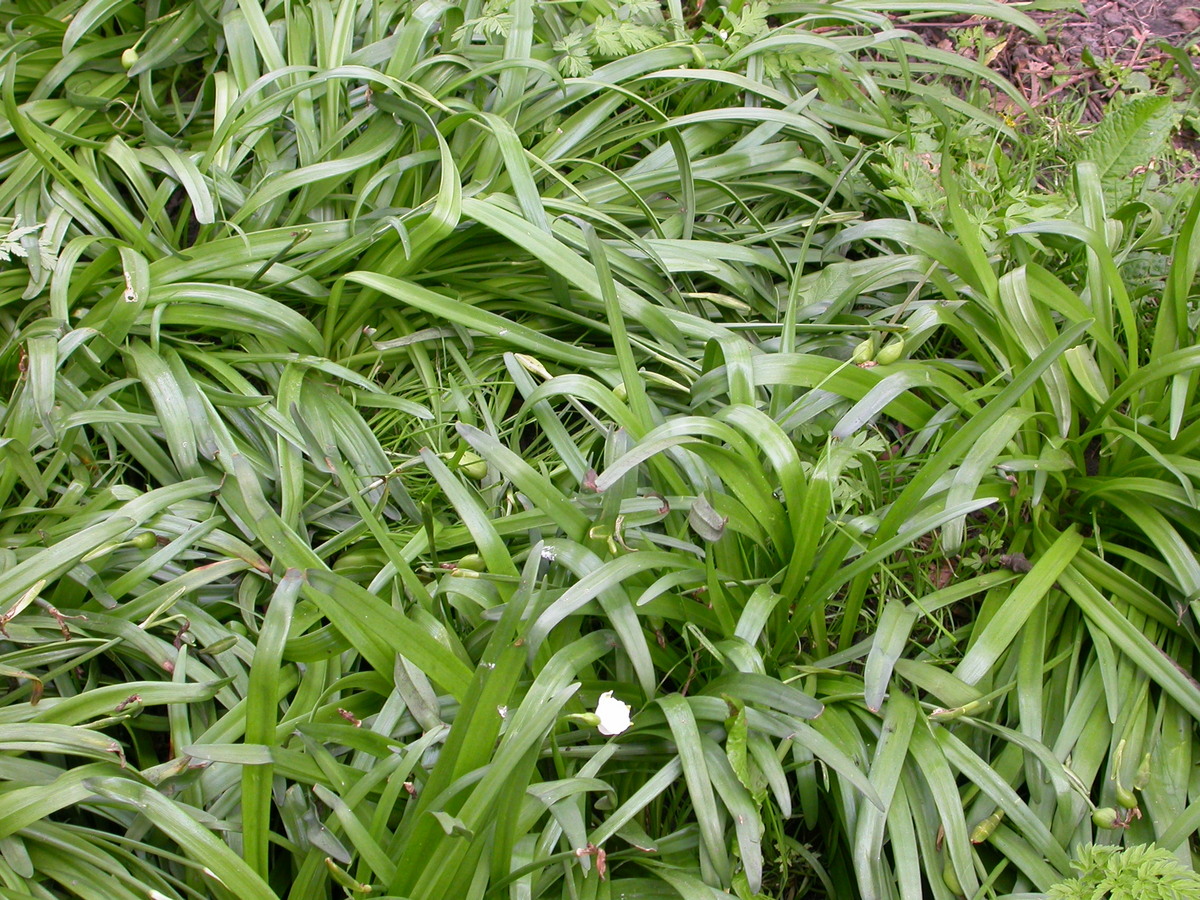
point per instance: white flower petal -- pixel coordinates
(614, 715)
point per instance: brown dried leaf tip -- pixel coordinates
(601, 858)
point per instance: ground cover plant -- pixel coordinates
(385, 383)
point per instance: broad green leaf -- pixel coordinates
(1131, 133)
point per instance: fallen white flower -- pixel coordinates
(614, 715)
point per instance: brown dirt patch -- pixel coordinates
(1116, 46)
(1085, 56)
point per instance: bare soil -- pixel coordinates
(1083, 54)
(1117, 45)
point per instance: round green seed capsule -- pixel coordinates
(471, 464)
(1105, 817)
(1125, 797)
(145, 540)
(863, 352)
(472, 561)
(361, 562)
(950, 878)
(890, 352)
(475, 466)
(129, 58)
(364, 553)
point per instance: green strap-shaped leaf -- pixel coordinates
(990, 642)
(196, 841)
(695, 773)
(380, 632)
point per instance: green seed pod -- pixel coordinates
(145, 540)
(891, 352)
(967, 709)
(950, 877)
(475, 466)
(471, 464)
(361, 561)
(1125, 797)
(129, 58)
(620, 391)
(472, 561)
(364, 553)
(220, 646)
(864, 352)
(1105, 817)
(984, 829)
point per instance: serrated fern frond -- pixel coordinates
(1140, 872)
(613, 37)
(575, 61)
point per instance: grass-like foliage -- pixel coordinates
(385, 381)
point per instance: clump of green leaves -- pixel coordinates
(1141, 872)
(602, 31)
(392, 399)
(742, 25)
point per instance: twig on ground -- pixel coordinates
(1070, 82)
